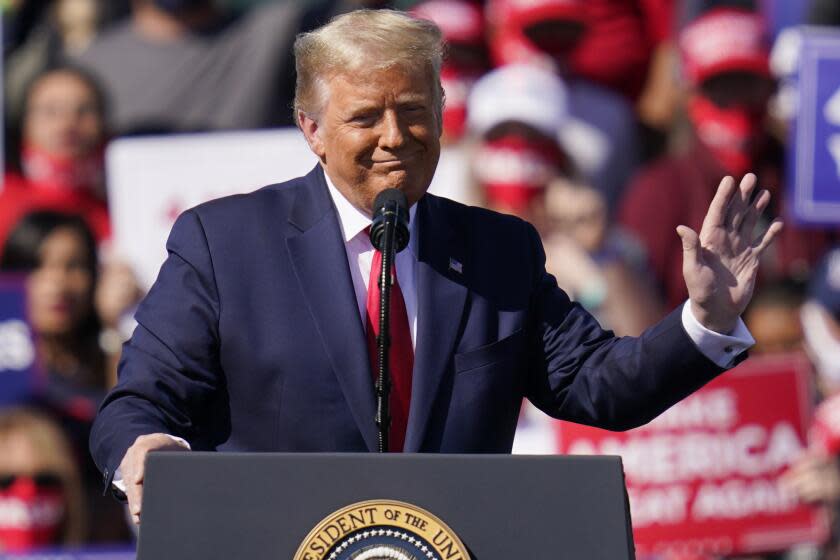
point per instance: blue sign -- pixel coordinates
(17, 346)
(815, 169)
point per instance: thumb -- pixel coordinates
(691, 245)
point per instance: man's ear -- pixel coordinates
(311, 132)
(440, 108)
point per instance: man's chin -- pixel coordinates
(412, 191)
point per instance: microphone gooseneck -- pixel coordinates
(389, 235)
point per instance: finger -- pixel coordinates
(134, 493)
(769, 235)
(135, 502)
(717, 209)
(134, 475)
(740, 203)
(691, 246)
(754, 212)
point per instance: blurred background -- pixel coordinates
(605, 123)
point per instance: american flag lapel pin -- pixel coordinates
(456, 266)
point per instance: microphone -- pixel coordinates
(390, 209)
(389, 235)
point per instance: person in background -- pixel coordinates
(40, 491)
(821, 323)
(773, 318)
(815, 478)
(726, 63)
(71, 313)
(621, 42)
(596, 263)
(601, 135)
(58, 254)
(71, 302)
(462, 25)
(516, 112)
(61, 156)
(187, 65)
(40, 34)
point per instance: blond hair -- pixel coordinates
(54, 454)
(364, 40)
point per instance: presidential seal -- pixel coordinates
(382, 530)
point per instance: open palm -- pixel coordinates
(720, 264)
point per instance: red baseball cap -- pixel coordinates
(724, 40)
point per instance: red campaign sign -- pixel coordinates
(702, 477)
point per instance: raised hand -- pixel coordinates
(720, 264)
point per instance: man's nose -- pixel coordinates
(392, 135)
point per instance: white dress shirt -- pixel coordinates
(360, 257)
(719, 348)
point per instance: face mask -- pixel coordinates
(31, 512)
(823, 348)
(456, 82)
(732, 134)
(513, 170)
(62, 173)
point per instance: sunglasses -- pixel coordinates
(45, 480)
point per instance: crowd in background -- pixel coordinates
(605, 123)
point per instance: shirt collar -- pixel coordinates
(353, 221)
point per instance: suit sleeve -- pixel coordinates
(169, 370)
(585, 374)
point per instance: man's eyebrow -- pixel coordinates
(361, 107)
(411, 98)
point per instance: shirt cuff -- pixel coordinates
(118, 481)
(722, 349)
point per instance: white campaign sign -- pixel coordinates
(152, 179)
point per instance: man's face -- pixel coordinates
(63, 117)
(378, 130)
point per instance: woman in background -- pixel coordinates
(58, 253)
(59, 164)
(40, 491)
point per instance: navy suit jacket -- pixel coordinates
(251, 340)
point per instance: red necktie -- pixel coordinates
(401, 351)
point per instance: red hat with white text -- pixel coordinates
(724, 40)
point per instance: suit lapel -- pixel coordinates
(319, 259)
(441, 268)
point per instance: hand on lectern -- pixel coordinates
(133, 467)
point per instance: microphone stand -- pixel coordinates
(383, 341)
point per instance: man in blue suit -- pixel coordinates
(253, 337)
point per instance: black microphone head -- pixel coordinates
(389, 196)
(390, 206)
